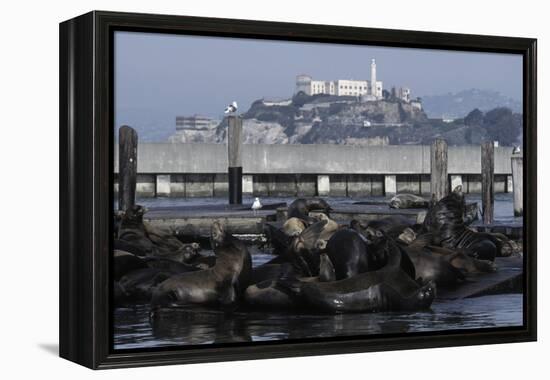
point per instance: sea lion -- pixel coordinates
(391, 226)
(330, 228)
(278, 239)
(168, 246)
(293, 226)
(132, 231)
(301, 207)
(445, 220)
(267, 294)
(405, 201)
(386, 289)
(268, 272)
(169, 266)
(203, 261)
(327, 272)
(457, 259)
(434, 268)
(138, 285)
(304, 249)
(377, 246)
(471, 213)
(125, 262)
(347, 252)
(222, 285)
(123, 245)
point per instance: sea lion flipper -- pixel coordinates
(326, 269)
(279, 240)
(421, 241)
(310, 235)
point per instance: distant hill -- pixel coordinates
(458, 105)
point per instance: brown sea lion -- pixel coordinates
(407, 201)
(293, 226)
(301, 207)
(330, 228)
(222, 285)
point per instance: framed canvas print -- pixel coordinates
(235, 189)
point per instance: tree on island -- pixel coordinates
(503, 125)
(474, 118)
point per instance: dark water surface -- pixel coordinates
(134, 329)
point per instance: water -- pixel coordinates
(134, 329)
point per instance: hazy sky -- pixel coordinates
(160, 76)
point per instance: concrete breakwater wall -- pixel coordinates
(200, 170)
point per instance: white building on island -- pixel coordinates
(369, 90)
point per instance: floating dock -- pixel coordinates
(195, 221)
(508, 278)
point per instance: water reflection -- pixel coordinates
(134, 329)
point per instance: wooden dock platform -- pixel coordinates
(508, 278)
(240, 219)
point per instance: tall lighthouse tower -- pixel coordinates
(373, 77)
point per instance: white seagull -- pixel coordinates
(256, 205)
(516, 150)
(231, 108)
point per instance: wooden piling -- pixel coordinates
(127, 167)
(439, 160)
(517, 183)
(487, 181)
(234, 155)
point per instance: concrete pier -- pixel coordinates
(390, 185)
(192, 170)
(248, 186)
(163, 185)
(323, 185)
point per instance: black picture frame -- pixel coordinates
(86, 152)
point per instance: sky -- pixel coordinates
(159, 76)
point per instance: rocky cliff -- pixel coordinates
(323, 119)
(316, 119)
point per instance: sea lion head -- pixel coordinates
(132, 218)
(425, 295)
(321, 216)
(217, 234)
(407, 236)
(458, 190)
(324, 205)
(395, 202)
(190, 251)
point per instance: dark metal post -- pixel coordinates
(234, 155)
(127, 167)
